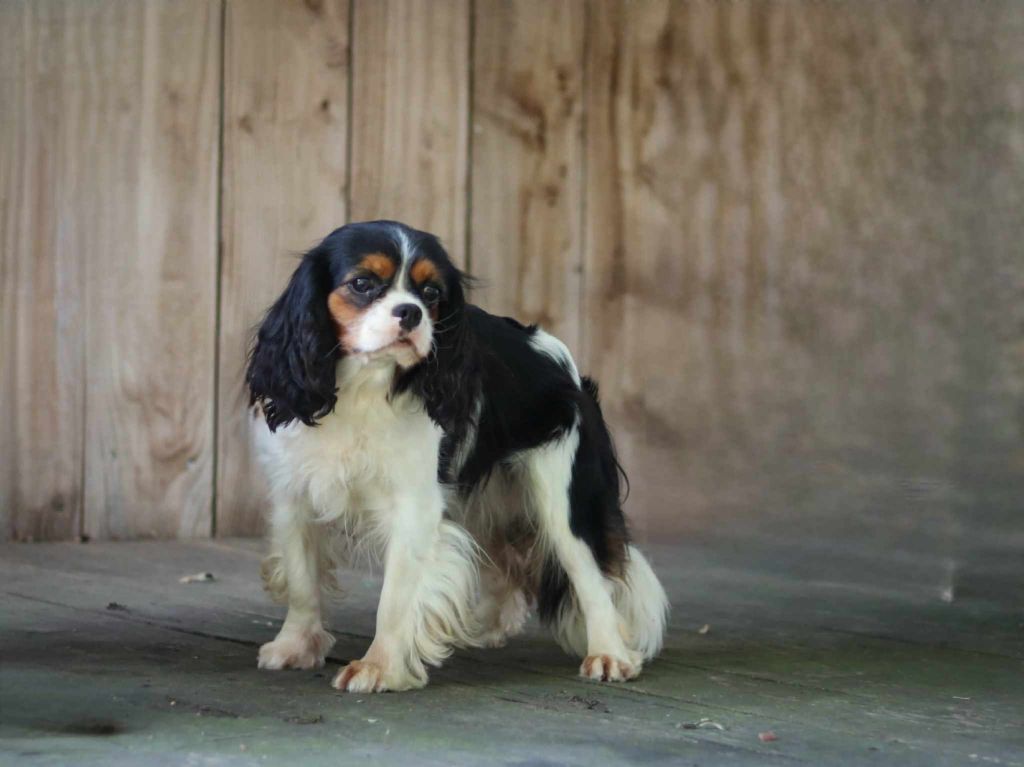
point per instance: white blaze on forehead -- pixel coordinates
(406, 252)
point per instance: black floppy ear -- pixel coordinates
(292, 365)
(447, 380)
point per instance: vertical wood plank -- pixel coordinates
(42, 302)
(139, 134)
(284, 186)
(526, 240)
(410, 98)
(794, 211)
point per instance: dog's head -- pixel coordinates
(379, 290)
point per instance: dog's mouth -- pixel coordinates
(404, 348)
(403, 342)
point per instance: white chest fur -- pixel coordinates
(360, 455)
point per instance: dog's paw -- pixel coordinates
(501, 620)
(375, 676)
(493, 639)
(609, 668)
(360, 676)
(514, 612)
(301, 650)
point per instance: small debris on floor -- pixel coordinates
(704, 629)
(196, 578)
(212, 711)
(117, 606)
(100, 727)
(767, 737)
(702, 724)
(591, 704)
(318, 719)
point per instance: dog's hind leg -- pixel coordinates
(597, 592)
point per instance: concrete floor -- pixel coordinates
(106, 659)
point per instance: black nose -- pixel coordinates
(409, 315)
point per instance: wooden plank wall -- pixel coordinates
(110, 274)
(41, 315)
(284, 187)
(784, 236)
(410, 100)
(804, 272)
(527, 174)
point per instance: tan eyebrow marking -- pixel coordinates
(377, 263)
(424, 270)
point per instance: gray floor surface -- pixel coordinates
(106, 659)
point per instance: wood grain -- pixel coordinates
(42, 361)
(410, 96)
(139, 128)
(284, 187)
(526, 240)
(784, 236)
(804, 283)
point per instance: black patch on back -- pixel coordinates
(528, 398)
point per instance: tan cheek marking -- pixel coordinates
(422, 271)
(379, 264)
(345, 316)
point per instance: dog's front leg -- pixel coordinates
(293, 573)
(430, 585)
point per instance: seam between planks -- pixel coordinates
(349, 120)
(219, 258)
(582, 157)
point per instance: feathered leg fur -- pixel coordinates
(294, 573)
(426, 604)
(613, 610)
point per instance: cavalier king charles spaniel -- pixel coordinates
(461, 449)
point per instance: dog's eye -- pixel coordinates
(431, 294)
(362, 285)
